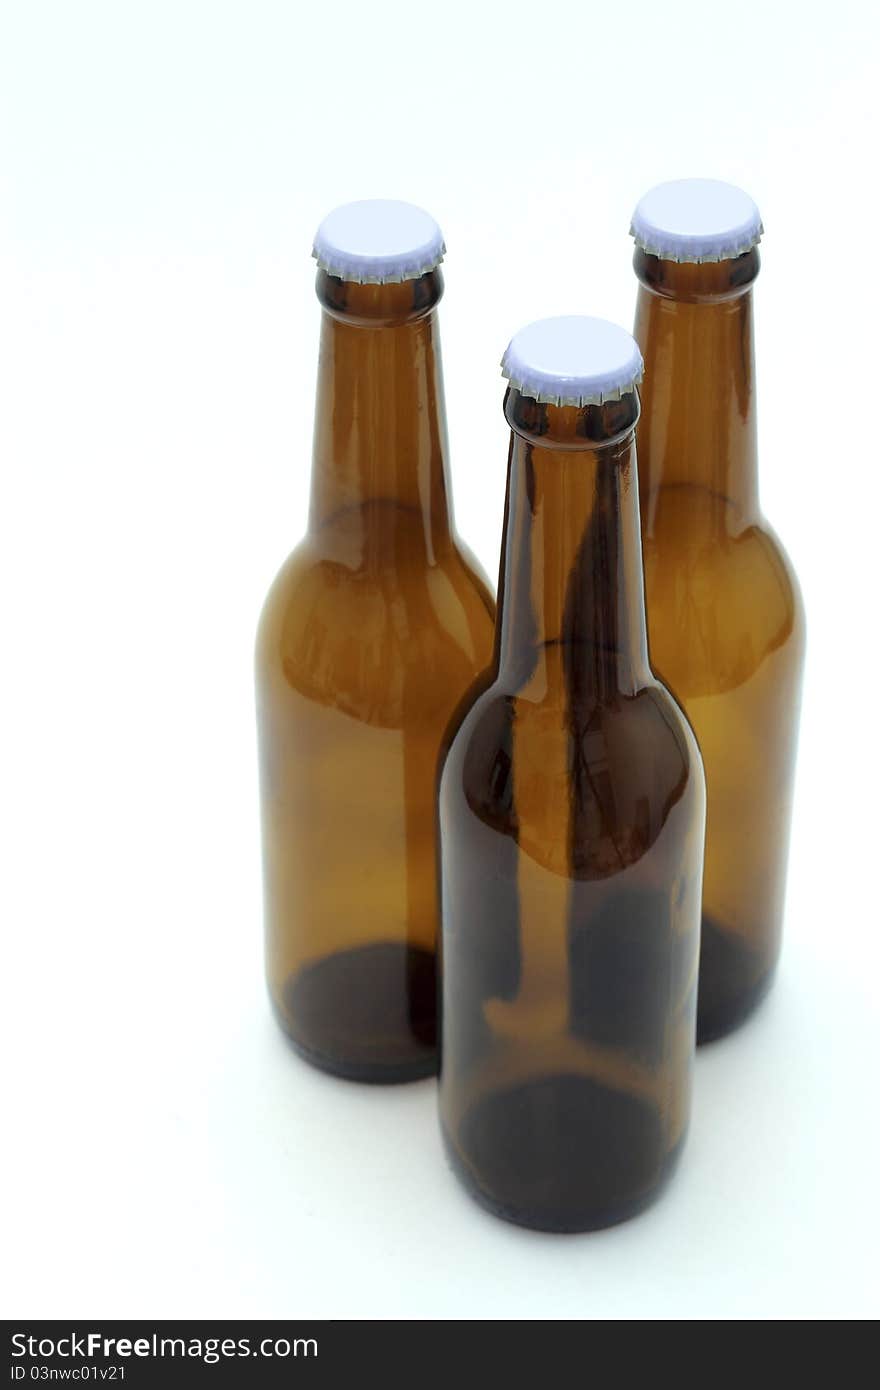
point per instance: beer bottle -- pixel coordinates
(725, 617)
(571, 816)
(374, 627)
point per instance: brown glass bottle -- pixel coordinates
(375, 625)
(725, 617)
(572, 821)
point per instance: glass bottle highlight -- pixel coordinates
(572, 815)
(725, 616)
(376, 624)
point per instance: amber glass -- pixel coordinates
(725, 618)
(374, 627)
(572, 813)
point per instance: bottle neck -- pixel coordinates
(698, 425)
(379, 470)
(571, 611)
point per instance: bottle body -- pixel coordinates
(725, 615)
(571, 822)
(374, 627)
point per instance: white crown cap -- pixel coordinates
(696, 220)
(378, 242)
(573, 361)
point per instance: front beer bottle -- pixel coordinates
(571, 814)
(725, 618)
(374, 627)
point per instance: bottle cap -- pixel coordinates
(378, 242)
(573, 361)
(696, 220)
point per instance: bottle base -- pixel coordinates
(367, 1014)
(369, 1073)
(534, 1148)
(734, 980)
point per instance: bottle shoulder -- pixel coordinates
(636, 733)
(371, 637)
(784, 575)
(584, 788)
(314, 578)
(722, 593)
(466, 558)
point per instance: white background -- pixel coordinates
(163, 169)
